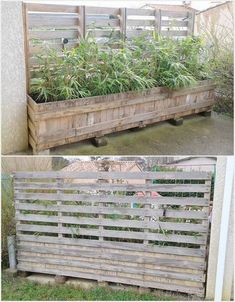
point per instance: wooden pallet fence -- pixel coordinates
(58, 123)
(47, 26)
(157, 242)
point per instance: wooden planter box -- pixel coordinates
(58, 123)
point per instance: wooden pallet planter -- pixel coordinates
(58, 123)
(64, 228)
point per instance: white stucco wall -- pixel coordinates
(13, 97)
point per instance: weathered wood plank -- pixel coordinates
(173, 14)
(95, 254)
(53, 34)
(139, 12)
(102, 22)
(108, 267)
(186, 227)
(113, 210)
(190, 188)
(194, 175)
(174, 33)
(173, 250)
(43, 20)
(35, 7)
(76, 231)
(91, 10)
(182, 201)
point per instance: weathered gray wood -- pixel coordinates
(182, 201)
(187, 227)
(35, 7)
(139, 12)
(194, 175)
(77, 231)
(127, 269)
(98, 254)
(112, 210)
(194, 252)
(190, 188)
(42, 20)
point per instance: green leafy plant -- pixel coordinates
(92, 70)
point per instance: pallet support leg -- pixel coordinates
(206, 113)
(99, 141)
(60, 279)
(23, 274)
(177, 121)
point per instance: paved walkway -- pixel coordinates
(197, 136)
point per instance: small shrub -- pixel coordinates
(92, 70)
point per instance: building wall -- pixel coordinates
(216, 22)
(12, 164)
(197, 164)
(14, 111)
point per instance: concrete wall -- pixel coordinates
(13, 106)
(216, 24)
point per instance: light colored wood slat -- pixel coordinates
(201, 239)
(102, 10)
(113, 210)
(53, 34)
(126, 246)
(102, 22)
(174, 33)
(174, 23)
(173, 14)
(191, 290)
(116, 199)
(95, 254)
(139, 23)
(53, 21)
(105, 33)
(186, 227)
(147, 94)
(120, 187)
(194, 175)
(138, 32)
(94, 104)
(108, 267)
(35, 7)
(44, 48)
(139, 12)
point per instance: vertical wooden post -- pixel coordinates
(59, 203)
(26, 44)
(123, 20)
(191, 23)
(158, 18)
(82, 21)
(147, 206)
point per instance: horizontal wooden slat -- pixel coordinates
(174, 23)
(90, 10)
(182, 201)
(194, 175)
(35, 7)
(203, 188)
(113, 210)
(102, 22)
(108, 267)
(156, 225)
(99, 254)
(172, 14)
(44, 48)
(139, 12)
(43, 20)
(201, 239)
(140, 23)
(191, 290)
(174, 33)
(198, 253)
(53, 34)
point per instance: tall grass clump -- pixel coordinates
(219, 49)
(8, 214)
(92, 69)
